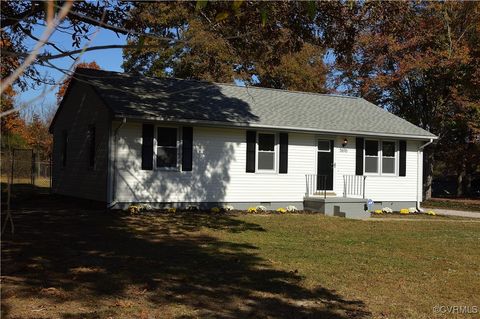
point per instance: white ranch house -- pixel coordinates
(124, 139)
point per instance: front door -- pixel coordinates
(325, 165)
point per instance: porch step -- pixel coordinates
(329, 194)
(337, 206)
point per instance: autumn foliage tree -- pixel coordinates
(257, 42)
(38, 137)
(417, 59)
(63, 88)
(12, 125)
(420, 60)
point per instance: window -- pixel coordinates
(380, 157)
(323, 146)
(167, 148)
(91, 145)
(371, 156)
(266, 152)
(388, 157)
(64, 147)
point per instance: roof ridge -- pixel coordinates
(226, 84)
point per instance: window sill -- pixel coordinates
(266, 172)
(380, 175)
(167, 169)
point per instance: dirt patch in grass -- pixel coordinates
(465, 204)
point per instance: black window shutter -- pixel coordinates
(251, 140)
(283, 153)
(187, 148)
(402, 167)
(359, 156)
(147, 146)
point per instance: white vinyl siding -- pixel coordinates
(377, 187)
(79, 178)
(218, 173)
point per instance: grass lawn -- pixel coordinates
(69, 262)
(453, 203)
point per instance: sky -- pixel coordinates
(110, 59)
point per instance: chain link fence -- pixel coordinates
(25, 170)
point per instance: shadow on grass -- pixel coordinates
(61, 254)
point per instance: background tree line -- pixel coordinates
(419, 60)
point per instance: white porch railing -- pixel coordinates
(354, 185)
(316, 185)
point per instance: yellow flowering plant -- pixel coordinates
(404, 211)
(431, 213)
(215, 210)
(133, 209)
(252, 210)
(171, 210)
(281, 210)
(378, 211)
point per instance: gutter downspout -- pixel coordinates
(420, 172)
(114, 175)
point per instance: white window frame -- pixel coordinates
(395, 158)
(329, 145)
(275, 153)
(380, 158)
(155, 149)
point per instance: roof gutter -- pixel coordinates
(273, 127)
(420, 173)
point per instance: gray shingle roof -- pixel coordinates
(228, 104)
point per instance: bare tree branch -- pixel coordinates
(27, 32)
(70, 71)
(11, 21)
(47, 57)
(51, 26)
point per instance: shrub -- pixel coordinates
(261, 208)
(378, 211)
(252, 210)
(281, 210)
(404, 211)
(171, 210)
(291, 209)
(431, 213)
(215, 210)
(228, 208)
(387, 210)
(412, 210)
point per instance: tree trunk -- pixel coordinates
(467, 184)
(428, 162)
(460, 179)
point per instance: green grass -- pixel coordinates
(69, 262)
(398, 269)
(455, 204)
